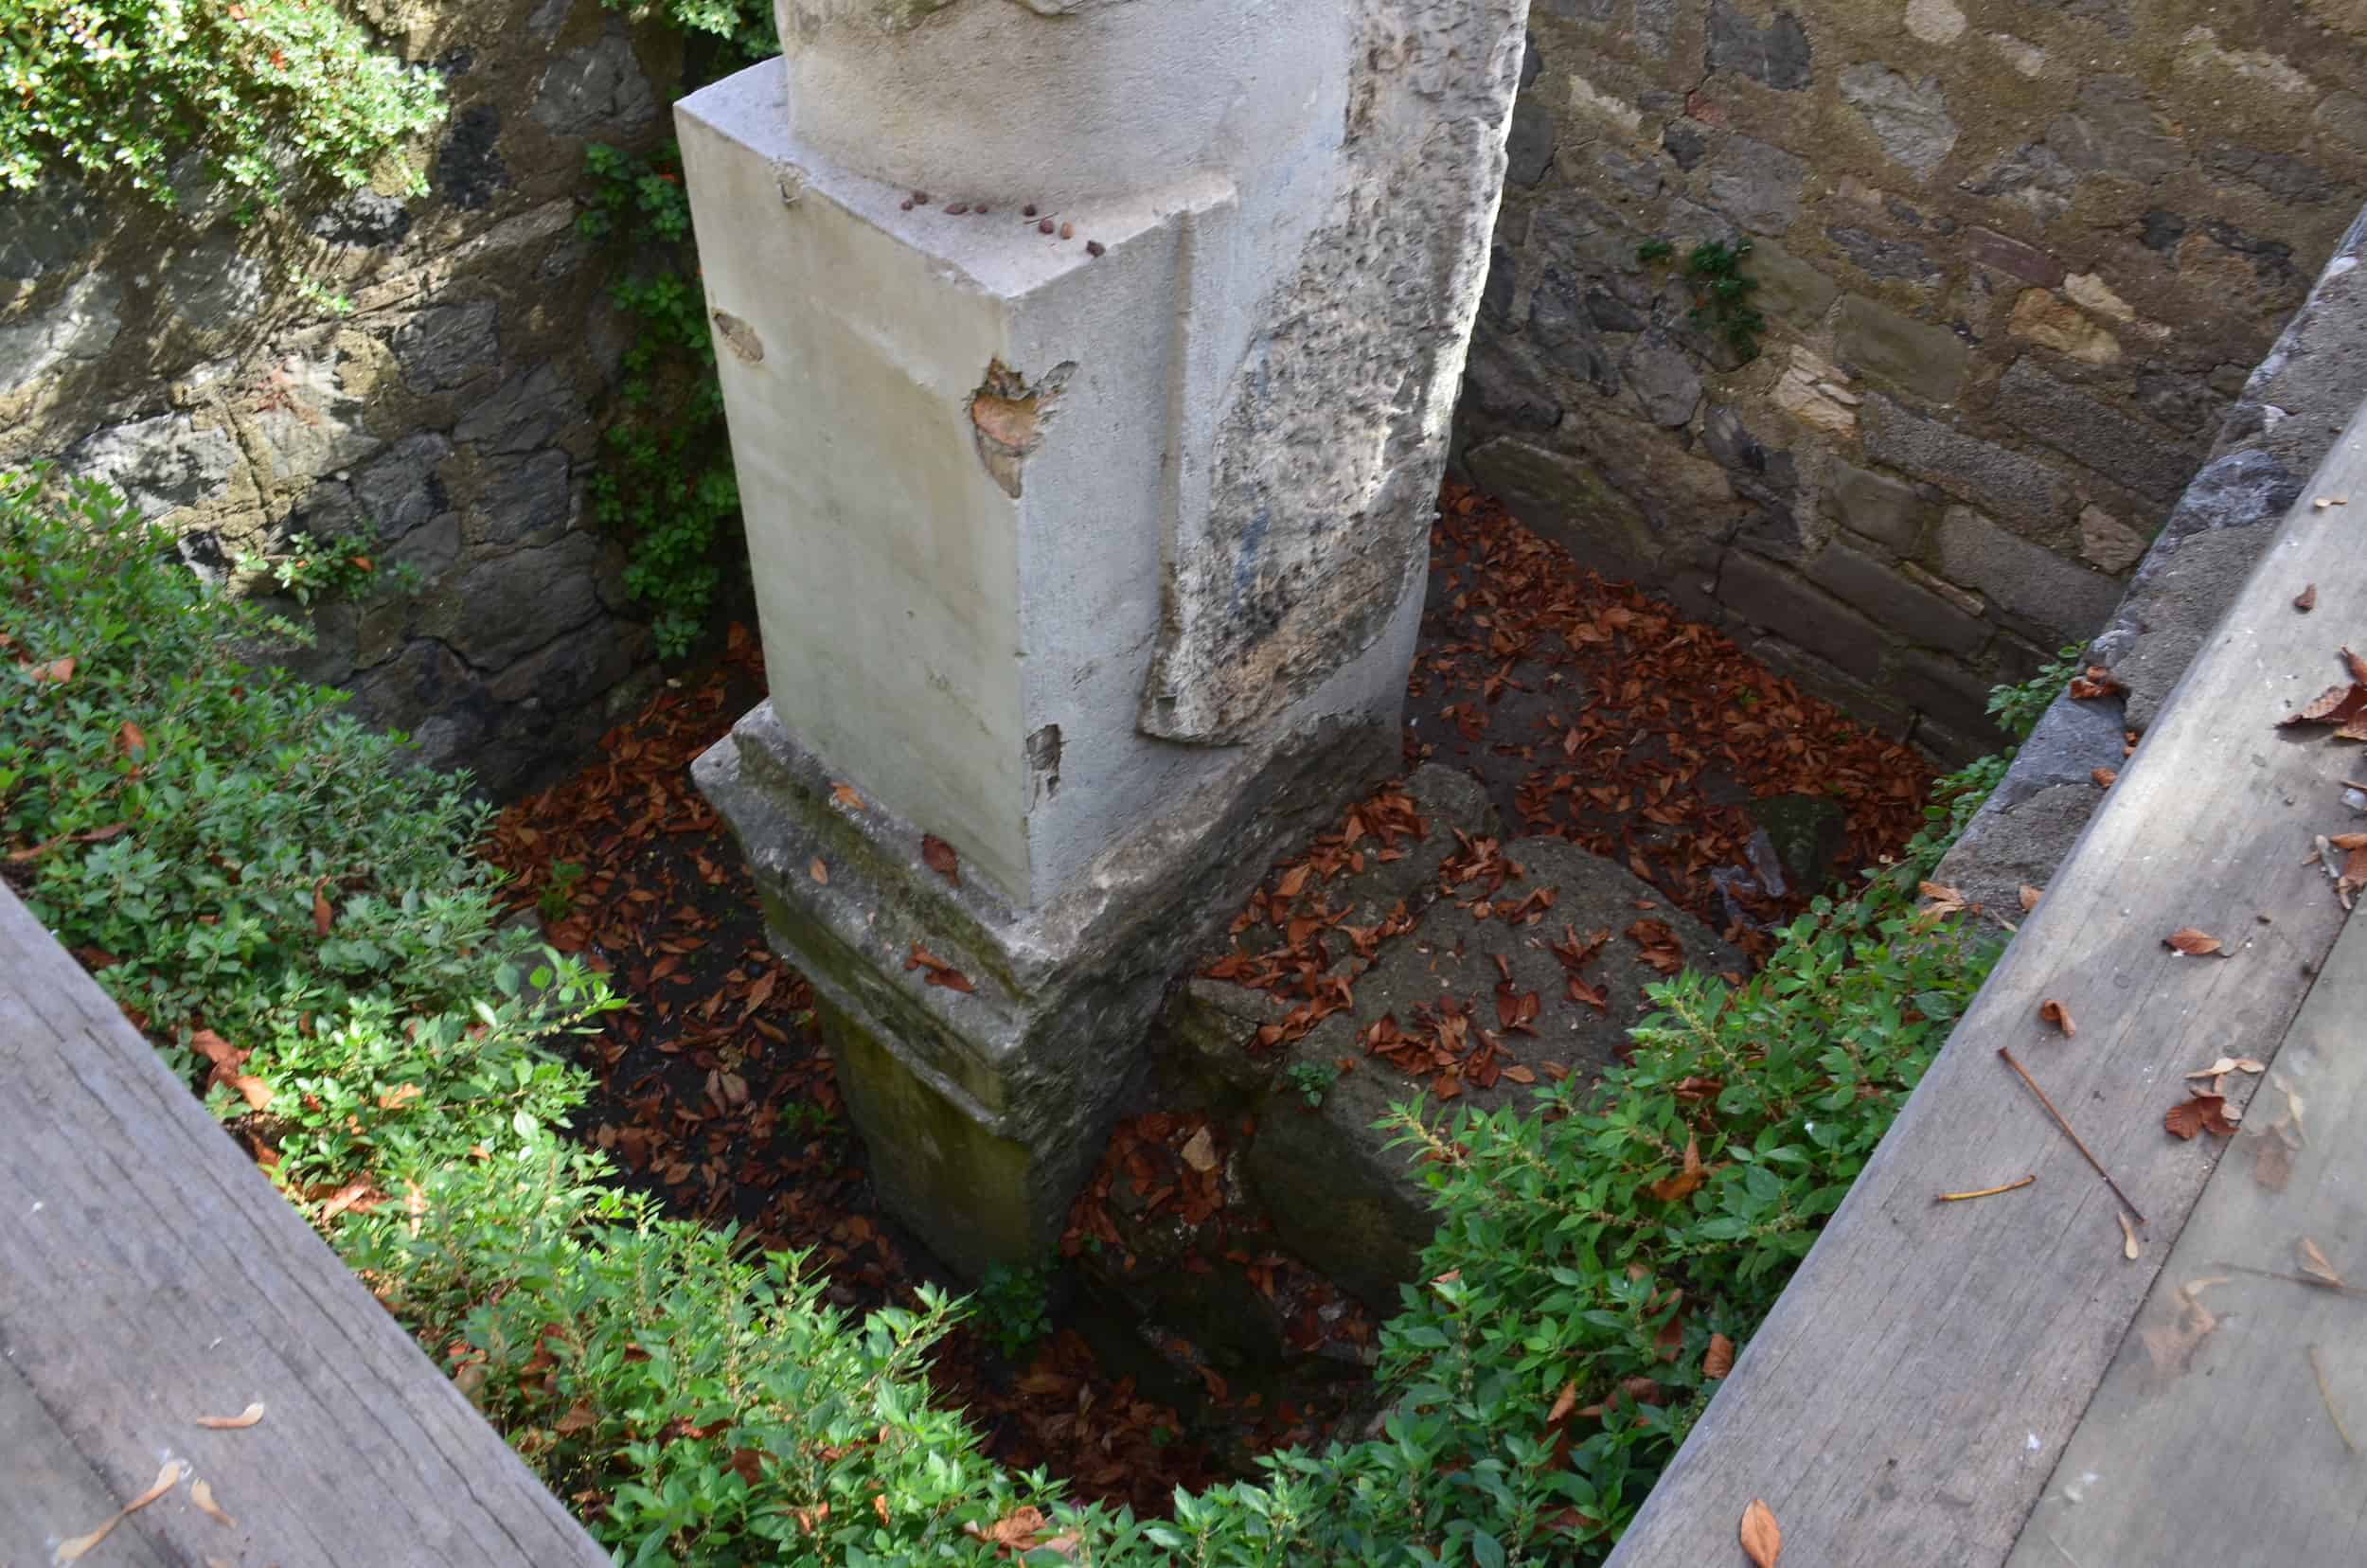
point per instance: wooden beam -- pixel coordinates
(149, 1274)
(1907, 1398)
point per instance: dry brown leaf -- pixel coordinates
(1945, 900)
(1564, 1402)
(2306, 599)
(399, 1097)
(1293, 880)
(2229, 1065)
(818, 871)
(203, 1495)
(845, 794)
(56, 672)
(2105, 778)
(1199, 1152)
(1014, 1532)
(2337, 704)
(74, 1550)
(2314, 1262)
(2030, 897)
(2191, 942)
(1719, 1359)
(251, 1089)
(938, 856)
(2171, 1346)
(324, 915)
(2056, 1014)
(2203, 1114)
(1762, 1542)
(2130, 1247)
(244, 1418)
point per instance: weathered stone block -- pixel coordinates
(1789, 289)
(400, 489)
(2149, 461)
(2009, 254)
(2112, 131)
(1568, 499)
(524, 412)
(1341, 1196)
(2039, 318)
(1884, 258)
(1758, 184)
(989, 1075)
(2004, 482)
(1883, 510)
(1908, 116)
(1529, 147)
(2107, 543)
(2066, 601)
(446, 344)
(161, 462)
(503, 606)
(1663, 378)
(77, 326)
(1768, 596)
(1891, 598)
(596, 90)
(1776, 53)
(1920, 356)
(1956, 696)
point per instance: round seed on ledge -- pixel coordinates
(1094, 247)
(920, 198)
(906, 204)
(1027, 211)
(1068, 231)
(1043, 225)
(957, 209)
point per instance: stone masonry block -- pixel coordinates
(1922, 357)
(2067, 602)
(1881, 592)
(1767, 595)
(2148, 460)
(1884, 509)
(2007, 484)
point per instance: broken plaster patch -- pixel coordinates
(1008, 417)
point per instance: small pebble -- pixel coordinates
(1094, 247)
(1068, 231)
(1027, 211)
(906, 204)
(920, 198)
(957, 209)
(1044, 227)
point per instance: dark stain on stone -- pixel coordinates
(469, 170)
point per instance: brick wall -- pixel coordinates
(2016, 257)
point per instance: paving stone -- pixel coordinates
(1341, 1197)
(1883, 593)
(1907, 115)
(1920, 356)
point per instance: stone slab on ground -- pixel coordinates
(1339, 1195)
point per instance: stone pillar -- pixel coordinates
(1089, 366)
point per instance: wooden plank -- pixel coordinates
(1907, 1398)
(2217, 1444)
(150, 1275)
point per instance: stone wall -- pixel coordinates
(2016, 257)
(193, 361)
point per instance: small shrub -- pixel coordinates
(1310, 1080)
(293, 909)
(1014, 1306)
(122, 87)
